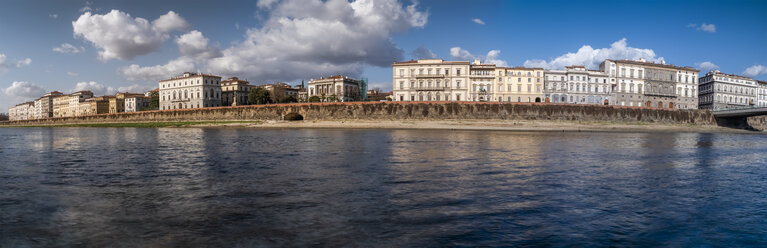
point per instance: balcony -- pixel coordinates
(660, 94)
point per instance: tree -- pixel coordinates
(4, 116)
(154, 100)
(259, 95)
(314, 99)
(289, 99)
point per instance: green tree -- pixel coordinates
(258, 95)
(154, 100)
(289, 99)
(314, 99)
(3, 116)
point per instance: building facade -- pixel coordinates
(431, 80)
(647, 84)
(761, 93)
(577, 85)
(136, 103)
(281, 92)
(724, 91)
(190, 90)
(44, 105)
(511, 84)
(69, 105)
(22, 111)
(335, 88)
(234, 92)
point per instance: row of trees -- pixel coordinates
(260, 95)
(4, 116)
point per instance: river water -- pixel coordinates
(240, 187)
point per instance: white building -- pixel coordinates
(22, 111)
(723, 91)
(577, 85)
(335, 88)
(431, 80)
(190, 90)
(136, 103)
(761, 95)
(44, 105)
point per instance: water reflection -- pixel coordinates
(245, 187)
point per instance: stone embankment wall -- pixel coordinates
(405, 111)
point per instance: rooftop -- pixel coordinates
(635, 62)
(190, 75)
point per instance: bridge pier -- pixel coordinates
(735, 122)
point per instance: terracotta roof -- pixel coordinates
(442, 63)
(731, 75)
(521, 68)
(193, 75)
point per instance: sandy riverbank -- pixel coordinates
(487, 125)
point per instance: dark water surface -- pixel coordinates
(145, 187)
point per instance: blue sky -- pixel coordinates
(102, 46)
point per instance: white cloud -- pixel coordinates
(706, 66)
(54, 16)
(68, 48)
(24, 90)
(175, 67)
(491, 57)
(755, 70)
(4, 63)
(136, 88)
(309, 38)
(423, 53)
(591, 58)
(478, 21)
(711, 28)
(72, 74)
(193, 47)
(120, 36)
(97, 88)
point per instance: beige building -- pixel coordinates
(234, 92)
(431, 80)
(117, 103)
(279, 92)
(648, 84)
(97, 105)
(190, 90)
(335, 88)
(507, 84)
(22, 111)
(69, 105)
(44, 105)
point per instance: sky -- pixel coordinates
(117, 46)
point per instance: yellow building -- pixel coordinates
(97, 105)
(117, 103)
(517, 84)
(69, 105)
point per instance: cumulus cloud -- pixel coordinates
(87, 6)
(95, 87)
(478, 21)
(706, 66)
(24, 90)
(755, 70)
(423, 53)
(591, 58)
(120, 36)
(4, 63)
(310, 38)
(72, 74)
(491, 57)
(136, 88)
(175, 67)
(68, 48)
(193, 47)
(711, 28)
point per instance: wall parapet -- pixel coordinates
(403, 111)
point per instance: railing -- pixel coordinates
(431, 88)
(430, 76)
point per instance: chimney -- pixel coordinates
(476, 61)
